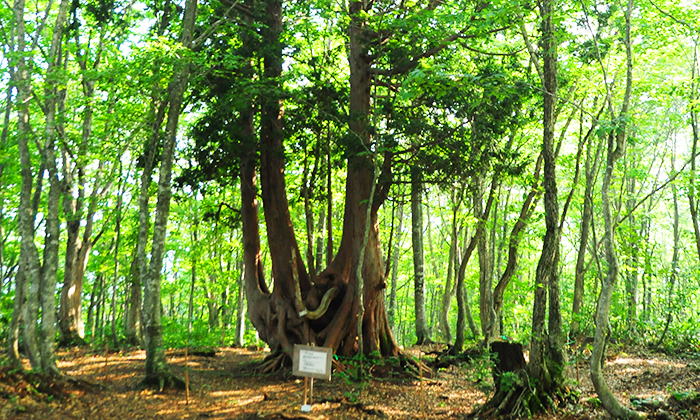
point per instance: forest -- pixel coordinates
(485, 209)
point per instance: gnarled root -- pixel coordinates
(272, 363)
(514, 398)
(415, 367)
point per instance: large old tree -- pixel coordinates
(324, 312)
(327, 309)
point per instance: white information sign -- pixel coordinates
(312, 362)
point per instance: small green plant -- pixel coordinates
(683, 395)
(508, 381)
(594, 401)
(351, 395)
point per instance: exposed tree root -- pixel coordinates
(162, 381)
(447, 358)
(515, 398)
(273, 363)
(415, 367)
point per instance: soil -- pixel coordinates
(225, 386)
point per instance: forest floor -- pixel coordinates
(225, 387)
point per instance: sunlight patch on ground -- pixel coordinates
(632, 361)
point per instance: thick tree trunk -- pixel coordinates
(422, 333)
(294, 312)
(28, 272)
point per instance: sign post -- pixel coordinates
(311, 362)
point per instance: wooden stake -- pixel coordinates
(311, 396)
(306, 383)
(187, 380)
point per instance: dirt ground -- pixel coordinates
(226, 387)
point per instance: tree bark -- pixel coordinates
(462, 305)
(240, 309)
(516, 234)
(632, 272)
(71, 328)
(391, 312)
(483, 252)
(157, 371)
(547, 365)
(28, 272)
(673, 278)
(51, 242)
(449, 290)
(132, 323)
(695, 125)
(616, 146)
(586, 218)
(422, 333)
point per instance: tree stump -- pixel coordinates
(514, 397)
(509, 358)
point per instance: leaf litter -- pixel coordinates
(225, 386)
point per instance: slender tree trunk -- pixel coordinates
(132, 323)
(190, 301)
(51, 241)
(422, 334)
(29, 255)
(320, 232)
(632, 272)
(485, 268)
(71, 325)
(115, 277)
(157, 372)
(616, 147)
(391, 312)
(586, 216)
(673, 278)
(516, 234)
(18, 306)
(240, 308)
(449, 290)
(329, 204)
(212, 304)
(25, 216)
(463, 310)
(695, 124)
(547, 364)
